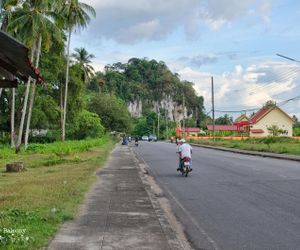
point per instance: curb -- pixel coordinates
(247, 152)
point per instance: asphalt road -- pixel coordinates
(230, 201)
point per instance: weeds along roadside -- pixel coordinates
(33, 203)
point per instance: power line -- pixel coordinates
(289, 58)
(236, 111)
(253, 109)
(293, 90)
(275, 80)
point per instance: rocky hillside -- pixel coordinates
(147, 85)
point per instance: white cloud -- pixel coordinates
(245, 88)
(130, 21)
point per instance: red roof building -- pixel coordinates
(180, 132)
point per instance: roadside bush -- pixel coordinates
(87, 124)
(296, 131)
(4, 138)
(268, 140)
(51, 136)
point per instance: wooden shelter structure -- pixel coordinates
(14, 63)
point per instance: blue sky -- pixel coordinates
(235, 41)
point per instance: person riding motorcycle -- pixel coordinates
(136, 141)
(184, 150)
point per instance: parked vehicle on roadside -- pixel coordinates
(145, 138)
(152, 138)
(125, 141)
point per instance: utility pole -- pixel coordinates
(153, 131)
(213, 106)
(158, 124)
(166, 116)
(183, 123)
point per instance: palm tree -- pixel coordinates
(6, 9)
(34, 23)
(82, 57)
(76, 15)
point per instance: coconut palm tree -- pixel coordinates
(34, 23)
(76, 16)
(7, 7)
(83, 58)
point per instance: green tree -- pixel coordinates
(296, 122)
(224, 120)
(83, 58)
(112, 111)
(141, 127)
(88, 124)
(274, 130)
(6, 9)
(33, 22)
(76, 15)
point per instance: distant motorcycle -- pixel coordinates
(136, 143)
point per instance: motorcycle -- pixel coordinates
(136, 143)
(186, 166)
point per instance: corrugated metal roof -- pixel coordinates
(259, 114)
(262, 112)
(14, 60)
(188, 129)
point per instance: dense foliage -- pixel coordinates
(148, 81)
(91, 102)
(113, 112)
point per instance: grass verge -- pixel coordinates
(281, 145)
(33, 203)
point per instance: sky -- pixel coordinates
(234, 41)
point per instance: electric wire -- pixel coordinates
(275, 80)
(254, 109)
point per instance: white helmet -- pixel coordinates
(182, 140)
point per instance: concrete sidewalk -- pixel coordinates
(119, 212)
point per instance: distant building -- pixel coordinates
(267, 117)
(181, 132)
(258, 124)
(222, 127)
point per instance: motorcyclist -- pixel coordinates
(184, 150)
(136, 141)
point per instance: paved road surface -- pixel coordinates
(230, 201)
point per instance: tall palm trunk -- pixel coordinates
(61, 107)
(20, 135)
(63, 135)
(38, 52)
(12, 118)
(1, 89)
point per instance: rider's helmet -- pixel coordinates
(182, 141)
